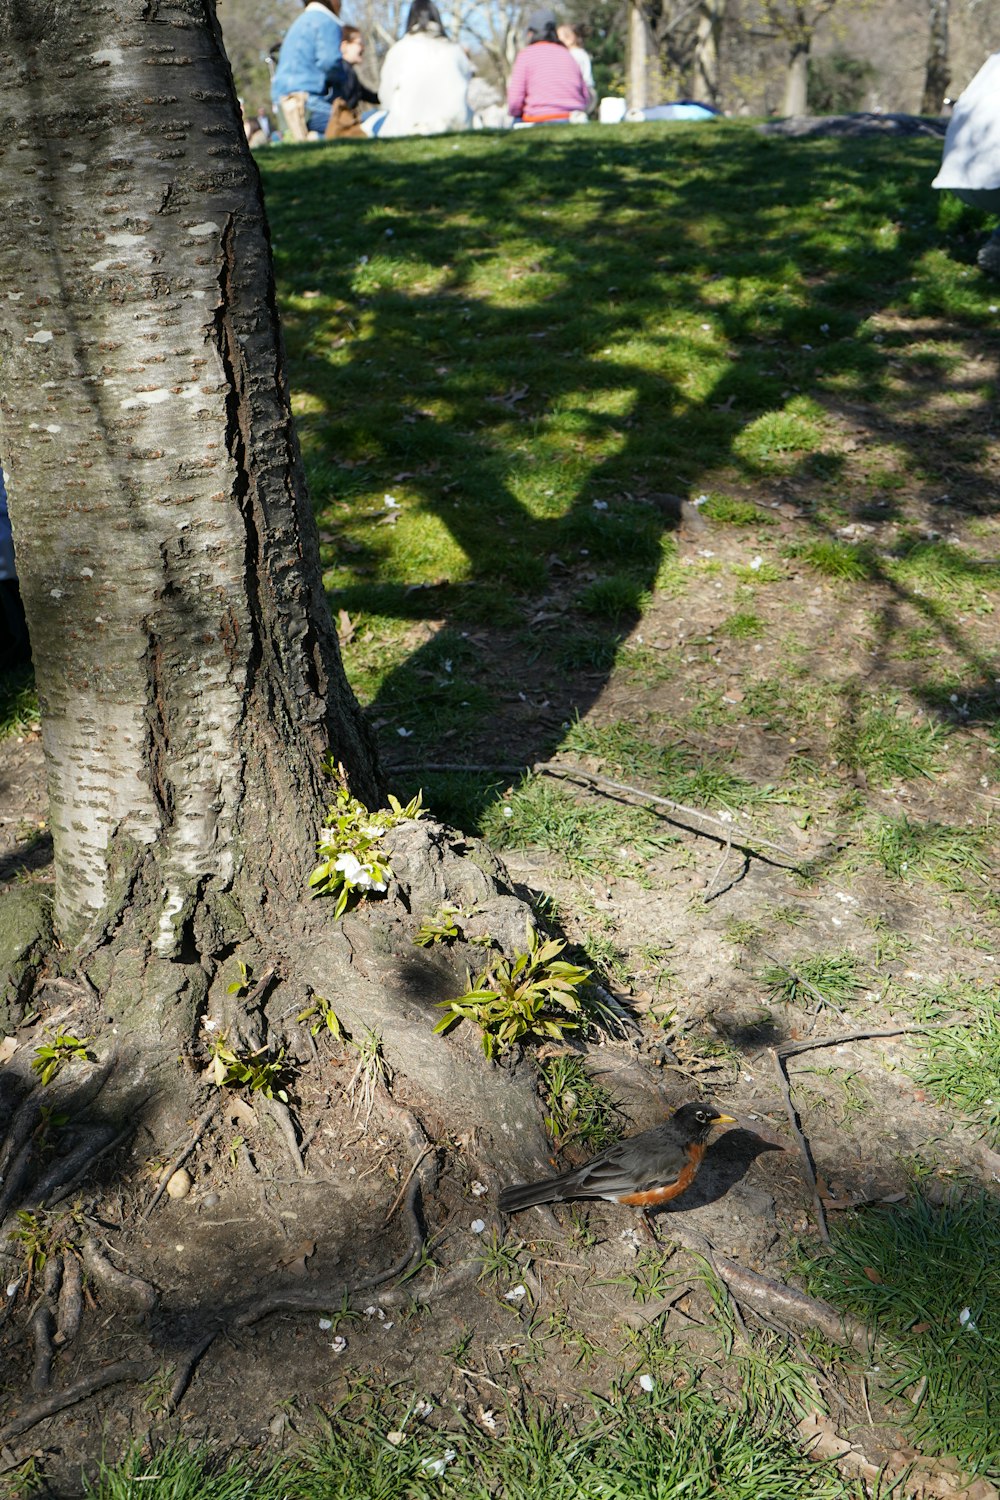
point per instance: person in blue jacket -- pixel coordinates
(310, 50)
(14, 647)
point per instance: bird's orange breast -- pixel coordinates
(652, 1196)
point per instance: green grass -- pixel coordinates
(674, 1442)
(509, 345)
(837, 977)
(928, 1279)
(956, 858)
(18, 702)
(885, 743)
(959, 1064)
(577, 1107)
(585, 833)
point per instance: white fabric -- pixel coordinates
(584, 63)
(972, 144)
(424, 86)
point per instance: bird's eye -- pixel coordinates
(701, 1117)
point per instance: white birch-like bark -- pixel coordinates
(187, 672)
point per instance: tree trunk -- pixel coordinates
(187, 671)
(637, 87)
(705, 79)
(188, 674)
(938, 74)
(796, 100)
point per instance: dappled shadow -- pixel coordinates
(445, 374)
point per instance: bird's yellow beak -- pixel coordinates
(725, 1120)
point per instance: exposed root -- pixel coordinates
(135, 1370)
(67, 1187)
(182, 1156)
(69, 1313)
(777, 1299)
(20, 1130)
(185, 1369)
(132, 1288)
(282, 1117)
(16, 1178)
(69, 1169)
(41, 1332)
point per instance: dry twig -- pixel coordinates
(803, 1144)
(182, 1156)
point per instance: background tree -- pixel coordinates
(188, 675)
(937, 75)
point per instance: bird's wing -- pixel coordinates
(652, 1159)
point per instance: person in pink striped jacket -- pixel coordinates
(546, 85)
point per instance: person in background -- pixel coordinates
(424, 85)
(970, 166)
(570, 38)
(343, 82)
(310, 50)
(546, 85)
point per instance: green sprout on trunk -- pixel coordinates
(352, 859)
(533, 995)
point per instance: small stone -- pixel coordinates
(211, 1200)
(179, 1185)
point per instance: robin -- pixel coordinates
(644, 1170)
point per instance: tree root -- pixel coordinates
(132, 1288)
(184, 1369)
(69, 1169)
(135, 1370)
(69, 1313)
(41, 1332)
(282, 1117)
(20, 1130)
(778, 1299)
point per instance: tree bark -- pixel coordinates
(796, 99)
(187, 670)
(938, 74)
(638, 63)
(705, 74)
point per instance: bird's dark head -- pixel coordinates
(697, 1119)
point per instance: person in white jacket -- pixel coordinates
(424, 83)
(970, 167)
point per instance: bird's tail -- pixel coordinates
(525, 1195)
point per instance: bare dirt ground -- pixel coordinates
(700, 1022)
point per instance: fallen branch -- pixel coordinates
(726, 831)
(182, 1155)
(803, 1144)
(789, 1049)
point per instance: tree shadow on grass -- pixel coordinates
(551, 428)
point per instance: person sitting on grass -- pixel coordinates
(310, 49)
(570, 38)
(546, 86)
(424, 84)
(343, 82)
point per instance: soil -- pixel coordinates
(699, 1023)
